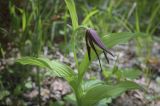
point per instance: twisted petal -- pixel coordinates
(92, 45)
(88, 47)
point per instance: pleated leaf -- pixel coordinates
(101, 91)
(113, 39)
(90, 84)
(58, 69)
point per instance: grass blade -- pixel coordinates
(72, 10)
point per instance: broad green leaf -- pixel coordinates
(40, 62)
(72, 10)
(113, 39)
(104, 102)
(70, 98)
(54, 67)
(130, 73)
(91, 83)
(102, 91)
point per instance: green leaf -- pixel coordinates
(101, 91)
(71, 99)
(72, 10)
(113, 39)
(85, 63)
(83, 66)
(87, 18)
(23, 21)
(152, 17)
(54, 67)
(89, 84)
(104, 102)
(40, 62)
(130, 73)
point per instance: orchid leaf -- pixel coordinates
(86, 85)
(113, 39)
(56, 68)
(101, 91)
(130, 73)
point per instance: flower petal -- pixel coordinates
(88, 48)
(105, 54)
(95, 38)
(92, 45)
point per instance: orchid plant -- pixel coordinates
(87, 92)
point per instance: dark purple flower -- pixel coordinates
(93, 39)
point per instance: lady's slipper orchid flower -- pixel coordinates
(93, 39)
